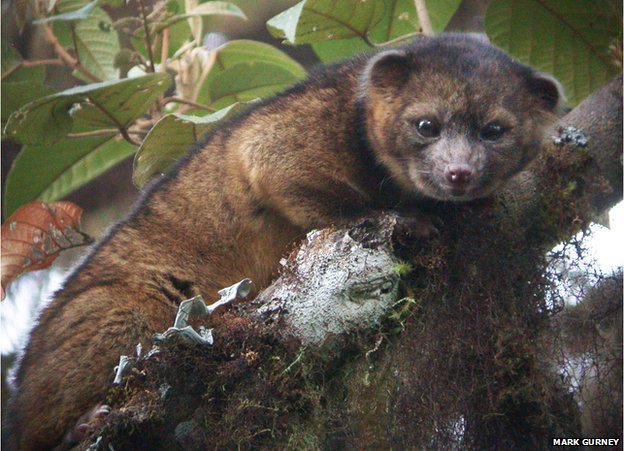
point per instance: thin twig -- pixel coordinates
(108, 131)
(394, 41)
(66, 57)
(423, 17)
(51, 62)
(126, 20)
(174, 99)
(26, 63)
(164, 53)
(148, 40)
(72, 27)
(212, 58)
(157, 108)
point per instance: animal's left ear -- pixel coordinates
(549, 91)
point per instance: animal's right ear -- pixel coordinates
(550, 92)
(384, 73)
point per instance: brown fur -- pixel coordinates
(331, 149)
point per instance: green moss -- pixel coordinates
(402, 268)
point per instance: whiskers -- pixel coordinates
(387, 179)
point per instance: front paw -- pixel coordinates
(415, 225)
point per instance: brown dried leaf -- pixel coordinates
(34, 236)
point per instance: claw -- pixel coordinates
(86, 425)
(416, 224)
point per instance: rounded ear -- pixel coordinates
(385, 71)
(549, 91)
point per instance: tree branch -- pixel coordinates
(579, 174)
(398, 40)
(423, 17)
(26, 63)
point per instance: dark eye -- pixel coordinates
(428, 128)
(492, 131)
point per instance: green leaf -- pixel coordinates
(48, 173)
(398, 19)
(100, 105)
(328, 51)
(312, 21)
(244, 70)
(10, 58)
(112, 3)
(441, 12)
(11, 71)
(16, 94)
(97, 43)
(66, 6)
(284, 25)
(93, 38)
(63, 30)
(206, 9)
(568, 39)
(243, 82)
(72, 16)
(171, 138)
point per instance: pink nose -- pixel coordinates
(458, 175)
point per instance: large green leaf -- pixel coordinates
(16, 94)
(88, 30)
(568, 39)
(328, 51)
(311, 21)
(245, 70)
(71, 16)
(97, 43)
(99, 105)
(68, 6)
(398, 19)
(20, 85)
(171, 138)
(207, 9)
(48, 173)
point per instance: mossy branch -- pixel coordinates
(579, 174)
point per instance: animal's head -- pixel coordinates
(453, 117)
